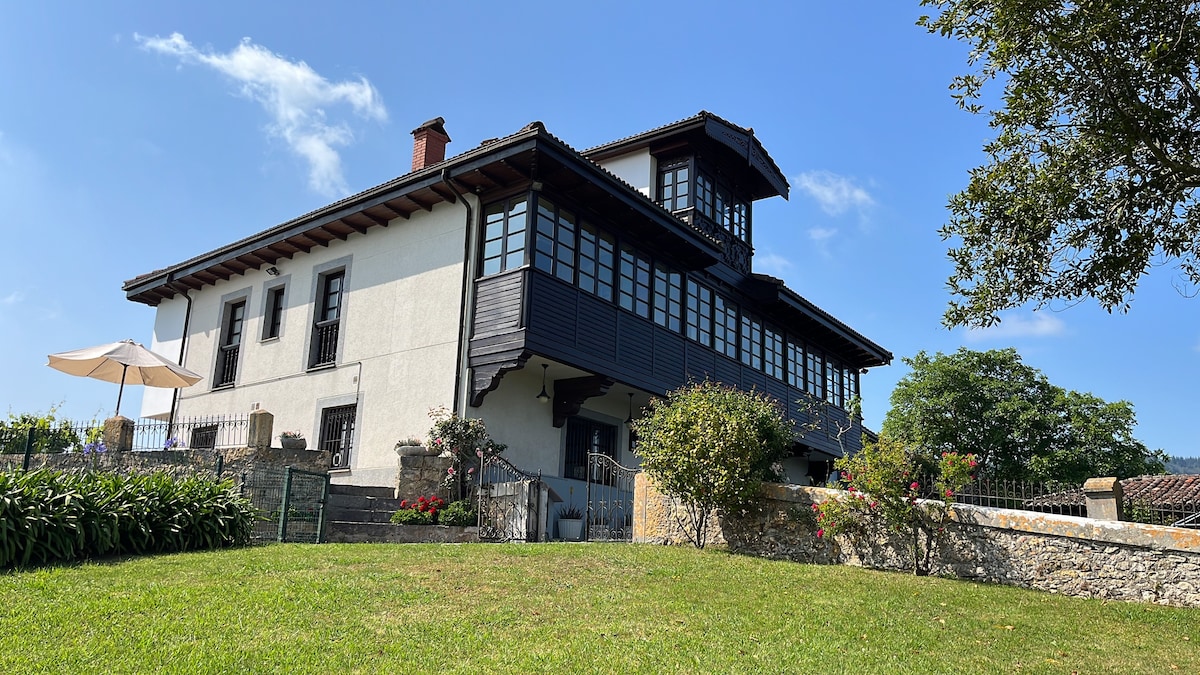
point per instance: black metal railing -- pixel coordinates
(325, 343)
(1174, 512)
(1057, 498)
(198, 433)
(227, 361)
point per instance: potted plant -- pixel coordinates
(409, 447)
(570, 523)
(292, 440)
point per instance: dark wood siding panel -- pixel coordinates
(635, 343)
(669, 361)
(752, 379)
(729, 371)
(553, 309)
(498, 304)
(598, 327)
(701, 363)
(779, 391)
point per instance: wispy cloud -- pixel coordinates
(300, 101)
(766, 262)
(12, 298)
(821, 234)
(835, 194)
(1035, 324)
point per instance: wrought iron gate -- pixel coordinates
(510, 503)
(609, 498)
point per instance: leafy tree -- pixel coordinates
(50, 434)
(710, 446)
(1092, 176)
(1013, 420)
(907, 490)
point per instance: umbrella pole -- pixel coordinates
(121, 391)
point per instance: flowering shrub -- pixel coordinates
(909, 493)
(458, 513)
(468, 443)
(421, 511)
(710, 446)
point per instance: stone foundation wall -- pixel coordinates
(1073, 556)
(233, 461)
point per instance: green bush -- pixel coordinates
(711, 446)
(54, 516)
(458, 513)
(412, 517)
(50, 434)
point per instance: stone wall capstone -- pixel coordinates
(1069, 555)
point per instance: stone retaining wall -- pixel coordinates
(421, 473)
(233, 462)
(1073, 556)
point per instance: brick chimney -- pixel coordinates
(429, 143)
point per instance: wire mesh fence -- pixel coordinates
(290, 503)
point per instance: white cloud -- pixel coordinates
(835, 194)
(1035, 324)
(12, 298)
(772, 264)
(821, 234)
(299, 100)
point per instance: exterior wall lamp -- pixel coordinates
(543, 396)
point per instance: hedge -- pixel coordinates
(51, 516)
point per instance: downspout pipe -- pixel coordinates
(466, 303)
(183, 340)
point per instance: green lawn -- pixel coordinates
(557, 608)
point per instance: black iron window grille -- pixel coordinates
(337, 434)
(587, 436)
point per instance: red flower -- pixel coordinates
(972, 463)
(820, 532)
(914, 485)
(816, 508)
(949, 493)
(404, 503)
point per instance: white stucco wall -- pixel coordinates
(398, 338)
(168, 334)
(635, 168)
(514, 417)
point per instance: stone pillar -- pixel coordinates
(118, 433)
(1104, 498)
(262, 429)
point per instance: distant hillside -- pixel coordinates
(1184, 465)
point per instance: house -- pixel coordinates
(520, 267)
(1167, 499)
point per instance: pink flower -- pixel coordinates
(874, 504)
(450, 471)
(914, 485)
(972, 463)
(815, 507)
(820, 532)
(470, 471)
(949, 493)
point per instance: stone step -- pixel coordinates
(334, 513)
(364, 502)
(341, 532)
(362, 491)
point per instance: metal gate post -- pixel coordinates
(285, 502)
(28, 448)
(321, 511)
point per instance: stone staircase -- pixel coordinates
(362, 514)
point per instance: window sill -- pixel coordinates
(323, 366)
(270, 339)
(222, 387)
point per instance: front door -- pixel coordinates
(584, 436)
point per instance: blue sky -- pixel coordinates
(133, 137)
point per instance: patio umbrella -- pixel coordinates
(124, 362)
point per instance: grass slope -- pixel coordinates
(556, 608)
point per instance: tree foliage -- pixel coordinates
(1092, 176)
(710, 446)
(1014, 421)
